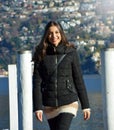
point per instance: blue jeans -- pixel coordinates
(61, 122)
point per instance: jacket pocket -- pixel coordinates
(70, 86)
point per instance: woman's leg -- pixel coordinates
(52, 123)
(61, 122)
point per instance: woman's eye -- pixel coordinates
(56, 32)
(52, 33)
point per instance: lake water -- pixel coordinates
(93, 84)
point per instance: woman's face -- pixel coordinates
(54, 35)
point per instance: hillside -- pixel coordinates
(22, 25)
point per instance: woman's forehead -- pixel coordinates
(53, 28)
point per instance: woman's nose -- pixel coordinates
(53, 34)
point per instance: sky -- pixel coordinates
(108, 5)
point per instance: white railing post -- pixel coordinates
(107, 68)
(13, 101)
(24, 73)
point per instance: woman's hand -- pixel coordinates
(87, 113)
(39, 115)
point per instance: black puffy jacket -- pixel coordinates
(56, 86)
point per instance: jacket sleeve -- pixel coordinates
(37, 96)
(79, 82)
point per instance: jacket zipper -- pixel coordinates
(56, 83)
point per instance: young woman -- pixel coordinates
(57, 80)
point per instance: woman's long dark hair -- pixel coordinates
(40, 50)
